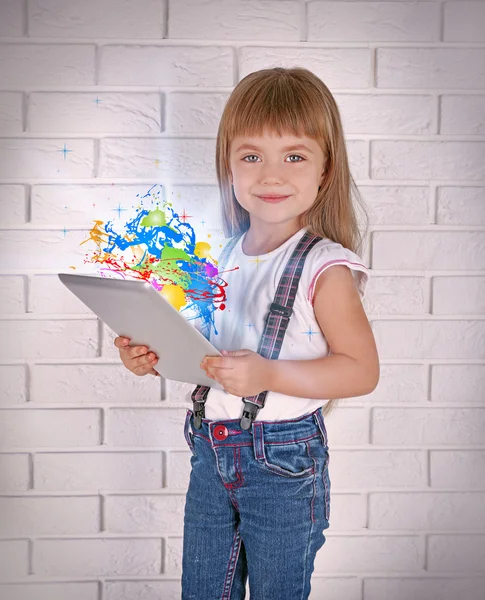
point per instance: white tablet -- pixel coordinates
(136, 310)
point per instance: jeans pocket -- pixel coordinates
(289, 460)
(189, 436)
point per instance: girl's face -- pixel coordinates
(272, 165)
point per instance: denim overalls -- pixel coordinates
(259, 493)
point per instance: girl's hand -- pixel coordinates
(241, 372)
(136, 359)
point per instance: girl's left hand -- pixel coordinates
(241, 372)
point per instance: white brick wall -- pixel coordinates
(93, 463)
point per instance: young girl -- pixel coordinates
(294, 338)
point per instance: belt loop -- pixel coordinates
(318, 416)
(258, 440)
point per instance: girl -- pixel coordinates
(294, 338)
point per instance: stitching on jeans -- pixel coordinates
(239, 474)
(327, 491)
(320, 421)
(232, 497)
(312, 504)
(231, 567)
(294, 441)
(202, 436)
(266, 443)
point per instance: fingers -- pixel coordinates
(121, 342)
(136, 358)
(144, 364)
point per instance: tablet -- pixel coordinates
(136, 310)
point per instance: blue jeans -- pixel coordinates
(257, 503)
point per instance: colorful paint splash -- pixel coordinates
(158, 247)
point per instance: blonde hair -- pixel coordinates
(296, 102)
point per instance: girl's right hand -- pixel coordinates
(136, 358)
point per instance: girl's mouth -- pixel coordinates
(273, 198)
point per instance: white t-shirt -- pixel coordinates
(250, 291)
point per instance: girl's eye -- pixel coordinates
(301, 157)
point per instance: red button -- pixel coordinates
(220, 432)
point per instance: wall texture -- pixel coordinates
(99, 101)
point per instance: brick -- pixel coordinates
(463, 22)
(10, 111)
(155, 514)
(233, 20)
(372, 554)
(48, 339)
(430, 250)
(98, 383)
(396, 205)
(13, 299)
(42, 515)
(166, 66)
(33, 428)
(14, 472)
(337, 67)
(47, 64)
(146, 427)
(426, 511)
(37, 157)
(427, 160)
(400, 383)
(460, 553)
(460, 206)
(14, 557)
(368, 469)
(106, 19)
(457, 383)
(436, 339)
(429, 68)
(97, 471)
(96, 112)
(425, 588)
(13, 384)
(46, 250)
(100, 557)
(11, 24)
(179, 158)
(51, 591)
(373, 22)
(427, 426)
(13, 205)
(457, 469)
(397, 295)
(458, 296)
(148, 590)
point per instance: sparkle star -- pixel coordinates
(310, 332)
(184, 216)
(257, 261)
(119, 210)
(65, 151)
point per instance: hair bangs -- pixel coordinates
(284, 108)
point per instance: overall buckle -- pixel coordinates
(279, 309)
(199, 413)
(250, 411)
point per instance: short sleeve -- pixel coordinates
(327, 255)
